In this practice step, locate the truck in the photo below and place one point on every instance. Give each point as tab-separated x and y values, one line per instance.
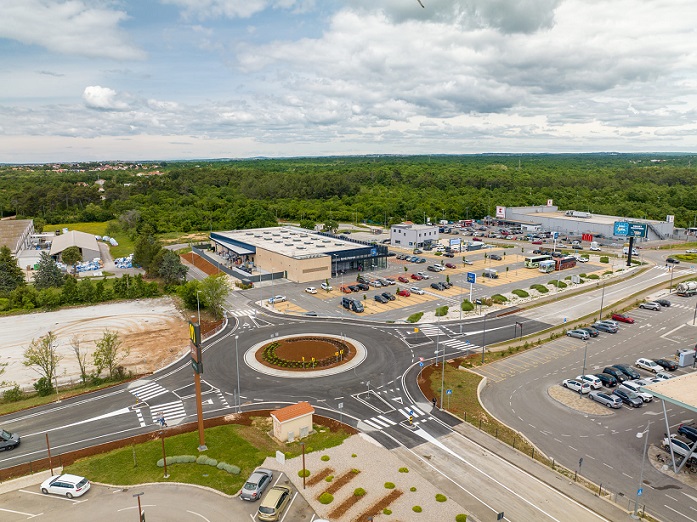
578	214
686	289
595	247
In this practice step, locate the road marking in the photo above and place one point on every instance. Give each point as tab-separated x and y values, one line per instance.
29	515
678	512
148	391
608	465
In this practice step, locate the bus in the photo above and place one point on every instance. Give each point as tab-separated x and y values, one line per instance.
565	262
547	266
534	261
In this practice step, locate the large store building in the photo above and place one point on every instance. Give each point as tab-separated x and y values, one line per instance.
296	254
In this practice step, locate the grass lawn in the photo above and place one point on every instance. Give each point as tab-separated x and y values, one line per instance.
243	446
99	229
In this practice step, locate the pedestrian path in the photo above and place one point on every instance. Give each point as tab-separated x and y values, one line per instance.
171	411
430	330
148	391
457	344
243	312
380	422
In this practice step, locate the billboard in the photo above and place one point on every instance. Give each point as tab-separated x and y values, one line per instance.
620	228
501	212
455	242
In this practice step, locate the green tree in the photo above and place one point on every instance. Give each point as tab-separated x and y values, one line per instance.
145	250
41	356
80	355
170	267
214	291
47	275
307	224
187	293
109	353
71	256
69	294
11	275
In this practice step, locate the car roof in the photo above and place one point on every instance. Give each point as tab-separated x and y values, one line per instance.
67	477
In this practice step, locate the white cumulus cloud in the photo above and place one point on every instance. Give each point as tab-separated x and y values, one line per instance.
103	98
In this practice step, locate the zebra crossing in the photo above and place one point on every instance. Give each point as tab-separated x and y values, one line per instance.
171	411
244	312
457	344
148	391
430	330
380	422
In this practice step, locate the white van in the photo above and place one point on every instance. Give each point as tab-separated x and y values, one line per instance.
491	273
595	247
625	251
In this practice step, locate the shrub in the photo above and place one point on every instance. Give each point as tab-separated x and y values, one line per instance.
230	468
540	288
43	387
417	509
404	470
389	485
304	473
441	498
353	455
386	511
441	311
325	498
461	518
356	471
520	293
593	276
467	306
604	259
14	394
329	478
607	272
498	298
358	492
414	318
412	489
324	458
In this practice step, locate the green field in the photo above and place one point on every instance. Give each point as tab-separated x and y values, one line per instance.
242	446
99	229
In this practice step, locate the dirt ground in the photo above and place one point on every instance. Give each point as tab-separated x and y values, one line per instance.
154	330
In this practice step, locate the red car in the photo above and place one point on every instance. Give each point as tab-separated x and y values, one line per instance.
477	239
536	242
404	292
402	279
416	277
622	318
450	265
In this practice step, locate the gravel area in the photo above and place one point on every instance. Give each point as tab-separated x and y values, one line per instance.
377	466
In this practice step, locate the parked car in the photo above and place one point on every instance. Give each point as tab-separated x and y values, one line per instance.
594	382
622	318
256	484
439	267
402	279
689	432
421	260
416	277
617	374
608	380
449	254
663	302
450	265
604	327
495	257
276	500
579	334
380	298
277	299
363	286
609	400
354	288
66	485
651	305
680	447
576	385
388	296
663	376
672	261
438	286
418	251
634	387
628	371
432	268
8	441
613	323
416	290
390	280
311	290
404	292
325	287
591	331
424	275
629	397
648	365
667	364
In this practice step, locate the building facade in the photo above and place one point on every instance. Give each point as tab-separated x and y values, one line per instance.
410	235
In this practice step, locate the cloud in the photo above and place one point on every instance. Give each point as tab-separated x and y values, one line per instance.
208	9
103	98
68	27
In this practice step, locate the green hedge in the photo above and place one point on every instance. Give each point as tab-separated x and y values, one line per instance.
467	306
540	288
441	311
520	293
414	318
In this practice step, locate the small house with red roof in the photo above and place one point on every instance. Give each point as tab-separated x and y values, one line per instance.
292	422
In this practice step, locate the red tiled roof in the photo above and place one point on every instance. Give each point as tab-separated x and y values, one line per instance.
293	411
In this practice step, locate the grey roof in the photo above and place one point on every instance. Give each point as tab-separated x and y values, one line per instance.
11	232
81	240
678	390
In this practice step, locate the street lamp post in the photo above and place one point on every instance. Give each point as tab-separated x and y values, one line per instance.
483	337
198	307
639	490
671	280
237	366
585	352
442	378
602	299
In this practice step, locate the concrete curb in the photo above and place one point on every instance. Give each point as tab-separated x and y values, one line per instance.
27	481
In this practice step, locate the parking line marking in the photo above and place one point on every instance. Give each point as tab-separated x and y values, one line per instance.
30	515
608	465
74	501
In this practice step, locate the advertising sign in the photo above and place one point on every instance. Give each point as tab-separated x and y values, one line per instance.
620	228
501	212
637	229
471	277
455	242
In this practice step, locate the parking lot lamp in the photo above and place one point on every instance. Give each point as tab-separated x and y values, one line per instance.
639	490
585	352
237	366
602	299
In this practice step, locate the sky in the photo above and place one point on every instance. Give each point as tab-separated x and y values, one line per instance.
99	80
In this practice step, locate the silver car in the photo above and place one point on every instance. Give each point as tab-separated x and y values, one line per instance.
256	484
611	401
650	306
579	334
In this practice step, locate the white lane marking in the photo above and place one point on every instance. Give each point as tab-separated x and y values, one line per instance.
198	515
28	515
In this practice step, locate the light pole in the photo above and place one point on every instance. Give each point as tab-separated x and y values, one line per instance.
442	379
198	307
483	335
602	299
585	352
237	366
671	280
639	490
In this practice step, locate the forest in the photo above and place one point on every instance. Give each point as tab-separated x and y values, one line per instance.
235	194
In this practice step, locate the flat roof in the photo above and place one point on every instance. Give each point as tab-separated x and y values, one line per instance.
290	241
678	390
600	219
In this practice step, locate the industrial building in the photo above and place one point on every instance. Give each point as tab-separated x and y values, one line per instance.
86	243
294	253
16	234
410	235
576	223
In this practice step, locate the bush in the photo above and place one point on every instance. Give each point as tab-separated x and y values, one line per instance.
324	458
461	518
412	489
230	468
386	511
389	485
404	470
498	299
353	455
520	293
467	306
604	259
329	478
414	318
417	509
325	498
304	473
206	461
43	387
540	288
441	311
358	492
441	498
14	394
593	276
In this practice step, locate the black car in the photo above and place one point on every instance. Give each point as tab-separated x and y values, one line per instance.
663	302
628	371
628	397
591	331
617	374
354	288
689	432
363	286
388	296
449	254
672	260
667	364
381	299
437	286
608	380
431	268
495	257
8	441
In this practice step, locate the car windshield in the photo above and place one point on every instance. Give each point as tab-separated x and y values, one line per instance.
5	435
266	510
250	486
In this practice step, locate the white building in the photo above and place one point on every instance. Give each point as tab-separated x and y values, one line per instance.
409	235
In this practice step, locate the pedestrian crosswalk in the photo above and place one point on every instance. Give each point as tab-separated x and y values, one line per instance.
457	344
244	312
430	330
148	391
380	422
171	411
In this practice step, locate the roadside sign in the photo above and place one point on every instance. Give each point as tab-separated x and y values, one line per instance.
620	228
640	492
421	364
471	277
449	392
637	229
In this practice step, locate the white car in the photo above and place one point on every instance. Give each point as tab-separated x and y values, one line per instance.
594	382
423	274
576	386
691	251
326	287
416	290
663	376
66	485
439	267
651	305
648	365
633	386
277	299
581	259
311	290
